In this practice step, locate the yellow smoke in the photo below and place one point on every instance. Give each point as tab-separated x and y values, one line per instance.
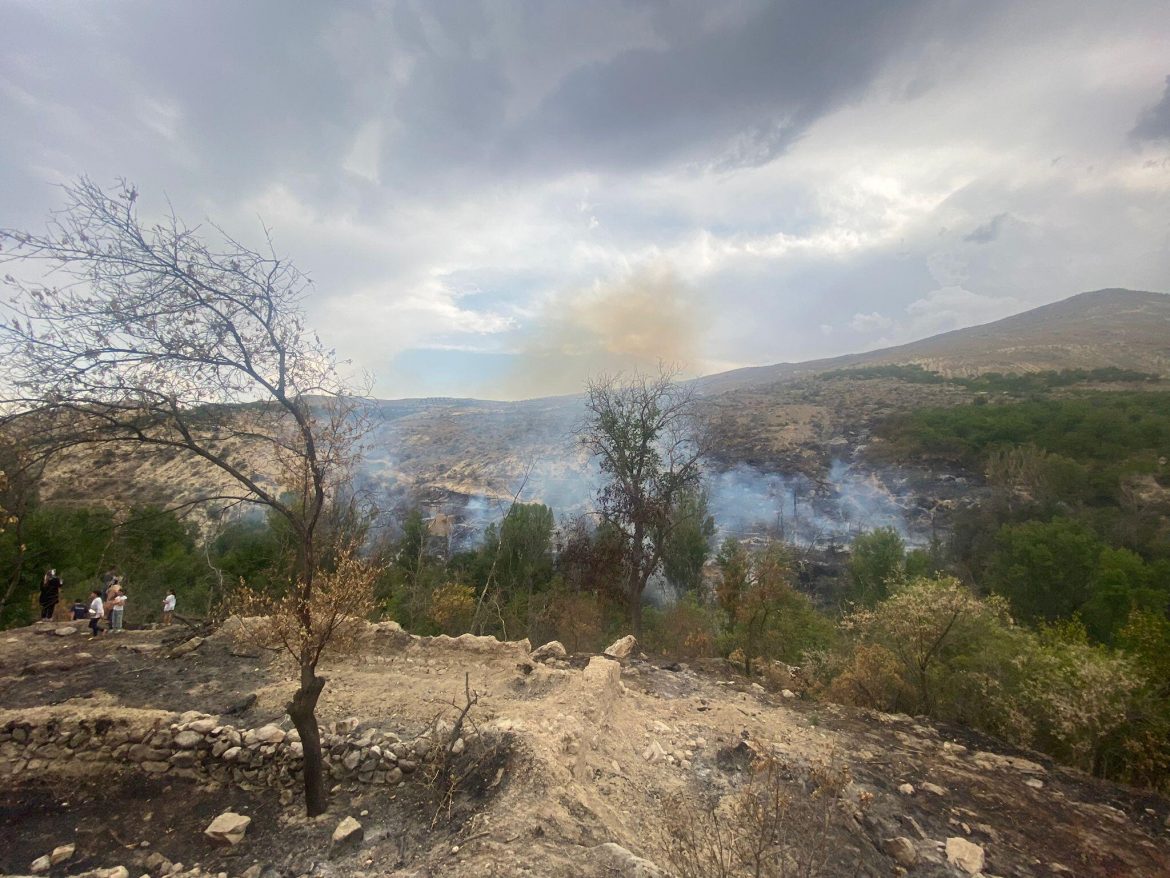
632	323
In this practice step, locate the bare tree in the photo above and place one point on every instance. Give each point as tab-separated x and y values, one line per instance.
145	335
644	433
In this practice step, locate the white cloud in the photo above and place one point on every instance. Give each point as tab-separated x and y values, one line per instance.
873	322
950	308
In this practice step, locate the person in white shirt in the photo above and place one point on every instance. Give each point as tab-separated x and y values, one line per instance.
96	611
168	607
118	608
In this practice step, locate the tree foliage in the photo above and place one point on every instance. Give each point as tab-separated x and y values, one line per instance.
643	433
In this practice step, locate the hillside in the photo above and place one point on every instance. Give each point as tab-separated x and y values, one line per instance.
790	419
127	747
1125	329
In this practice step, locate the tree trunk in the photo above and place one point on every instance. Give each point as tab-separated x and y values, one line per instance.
636	616
637	582
303	711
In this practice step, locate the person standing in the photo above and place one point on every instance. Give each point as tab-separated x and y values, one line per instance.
50	594
168	612
96	612
117	609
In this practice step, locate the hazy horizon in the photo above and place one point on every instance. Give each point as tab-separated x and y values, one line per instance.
497	200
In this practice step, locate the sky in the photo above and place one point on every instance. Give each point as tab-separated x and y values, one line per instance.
501	199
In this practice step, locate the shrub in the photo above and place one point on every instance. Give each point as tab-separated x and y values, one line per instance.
686	630
784	822
452	607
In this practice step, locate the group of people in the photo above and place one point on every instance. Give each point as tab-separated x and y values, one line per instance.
106	604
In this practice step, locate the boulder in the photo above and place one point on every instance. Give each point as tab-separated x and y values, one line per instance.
348	831
228	828
65	631
554	649
622	648
967	855
40	865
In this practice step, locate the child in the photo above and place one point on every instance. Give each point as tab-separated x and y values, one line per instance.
96	612
79	610
169	607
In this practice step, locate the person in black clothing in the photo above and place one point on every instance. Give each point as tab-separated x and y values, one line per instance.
50	594
79	610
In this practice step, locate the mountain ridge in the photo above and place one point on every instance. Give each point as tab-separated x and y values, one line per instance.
1068	312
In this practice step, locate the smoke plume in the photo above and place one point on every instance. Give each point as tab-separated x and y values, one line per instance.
630	324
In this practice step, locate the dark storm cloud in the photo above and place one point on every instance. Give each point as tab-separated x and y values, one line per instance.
452	94
1154	122
739	95
452	171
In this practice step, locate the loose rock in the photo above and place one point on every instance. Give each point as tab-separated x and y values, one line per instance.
228	828
902	850
554	649
967	855
62	853
348	831
622	648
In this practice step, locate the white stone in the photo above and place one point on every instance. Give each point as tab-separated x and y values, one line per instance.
40	865
964	854
654	753
62	853
228	828
65	631
934	789
622	648
269	734
554	649
348	830
906	789
787	693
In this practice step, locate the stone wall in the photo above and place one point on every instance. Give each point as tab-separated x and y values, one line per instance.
198	746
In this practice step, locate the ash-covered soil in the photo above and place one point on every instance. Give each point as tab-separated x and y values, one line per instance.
604	761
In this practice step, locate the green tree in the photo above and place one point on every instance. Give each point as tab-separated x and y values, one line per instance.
767	618
876	560
1044	568
688	543
643	434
